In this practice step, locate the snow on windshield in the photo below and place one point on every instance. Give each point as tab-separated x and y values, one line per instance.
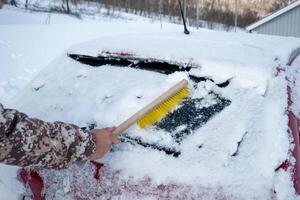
238	147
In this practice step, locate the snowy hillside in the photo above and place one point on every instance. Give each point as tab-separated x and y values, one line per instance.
231	155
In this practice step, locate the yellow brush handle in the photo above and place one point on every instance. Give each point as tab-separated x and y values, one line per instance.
158	101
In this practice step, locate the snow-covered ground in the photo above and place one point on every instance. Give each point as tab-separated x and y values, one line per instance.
234	154
29	41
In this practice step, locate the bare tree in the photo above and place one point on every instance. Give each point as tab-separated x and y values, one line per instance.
235	15
68	7
215	11
26	4
1	3
184	8
13	3
66	3
279	4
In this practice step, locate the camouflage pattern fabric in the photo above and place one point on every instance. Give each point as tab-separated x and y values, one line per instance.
26	141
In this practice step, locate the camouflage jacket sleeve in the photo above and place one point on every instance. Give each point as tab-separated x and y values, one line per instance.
26	141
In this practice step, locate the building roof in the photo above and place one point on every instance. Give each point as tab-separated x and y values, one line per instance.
273	15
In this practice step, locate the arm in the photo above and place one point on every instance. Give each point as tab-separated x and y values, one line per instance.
25	141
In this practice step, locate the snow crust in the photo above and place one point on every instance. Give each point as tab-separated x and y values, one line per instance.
240	147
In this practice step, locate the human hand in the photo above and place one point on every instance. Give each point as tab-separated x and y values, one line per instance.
104	140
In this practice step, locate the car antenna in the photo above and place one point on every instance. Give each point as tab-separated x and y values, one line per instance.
186	31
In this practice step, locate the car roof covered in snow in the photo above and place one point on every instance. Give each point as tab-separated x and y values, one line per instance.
218	55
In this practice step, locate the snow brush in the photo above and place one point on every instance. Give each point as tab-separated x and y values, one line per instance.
158	108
